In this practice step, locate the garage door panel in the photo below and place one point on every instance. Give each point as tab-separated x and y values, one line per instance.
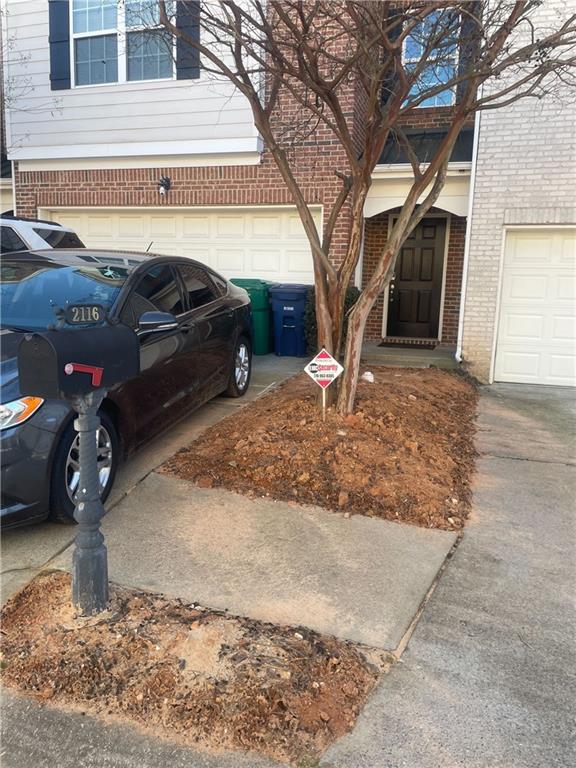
515	364
524	326
266	226
565	288
243	242
536	340
99	226
231	226
562	367
131	226
230	261
520	286
564	328
266	262
196	226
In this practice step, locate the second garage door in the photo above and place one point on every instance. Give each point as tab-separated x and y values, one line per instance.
536	341
266	242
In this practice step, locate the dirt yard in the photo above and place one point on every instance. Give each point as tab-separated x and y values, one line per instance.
189	673
406	454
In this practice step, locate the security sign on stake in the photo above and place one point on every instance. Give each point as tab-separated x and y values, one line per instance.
323	369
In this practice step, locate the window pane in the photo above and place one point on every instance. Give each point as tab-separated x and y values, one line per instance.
11	242
198	285
146	13
436	37
94	15
56	238
96	60
29	291
157	291
149	55
430	78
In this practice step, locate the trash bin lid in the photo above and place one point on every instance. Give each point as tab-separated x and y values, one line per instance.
257	290
288	292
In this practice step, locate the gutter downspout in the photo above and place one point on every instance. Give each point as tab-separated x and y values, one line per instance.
14	190
468	237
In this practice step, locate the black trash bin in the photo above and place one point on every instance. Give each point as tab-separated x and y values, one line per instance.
288	306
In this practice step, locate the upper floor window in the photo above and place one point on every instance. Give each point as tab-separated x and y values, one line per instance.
431	53
95	42
120	42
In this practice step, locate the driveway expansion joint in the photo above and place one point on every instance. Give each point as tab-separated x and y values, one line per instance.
525	458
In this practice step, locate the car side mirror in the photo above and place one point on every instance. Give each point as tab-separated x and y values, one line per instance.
156	322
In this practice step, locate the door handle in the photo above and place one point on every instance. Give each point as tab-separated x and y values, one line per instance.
185	327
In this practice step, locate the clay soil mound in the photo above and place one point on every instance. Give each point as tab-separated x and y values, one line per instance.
189	673
406	454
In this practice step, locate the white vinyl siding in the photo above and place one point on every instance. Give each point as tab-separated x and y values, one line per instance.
536	341
158	116
267	242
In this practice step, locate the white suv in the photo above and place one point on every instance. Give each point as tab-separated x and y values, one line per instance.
19	234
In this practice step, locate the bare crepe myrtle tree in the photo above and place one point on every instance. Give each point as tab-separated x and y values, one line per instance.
395	57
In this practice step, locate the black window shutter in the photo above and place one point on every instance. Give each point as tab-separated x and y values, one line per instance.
59	39
187	57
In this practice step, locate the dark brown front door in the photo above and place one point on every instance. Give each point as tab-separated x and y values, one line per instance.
416	288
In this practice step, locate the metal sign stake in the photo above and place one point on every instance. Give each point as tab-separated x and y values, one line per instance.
90	559
323	404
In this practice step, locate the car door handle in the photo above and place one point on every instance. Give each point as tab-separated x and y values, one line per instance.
185	327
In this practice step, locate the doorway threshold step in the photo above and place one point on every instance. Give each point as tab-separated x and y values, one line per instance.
410	357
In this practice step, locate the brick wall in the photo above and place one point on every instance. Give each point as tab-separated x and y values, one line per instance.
375	234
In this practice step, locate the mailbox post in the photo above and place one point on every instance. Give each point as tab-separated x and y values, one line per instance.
79	364
90	559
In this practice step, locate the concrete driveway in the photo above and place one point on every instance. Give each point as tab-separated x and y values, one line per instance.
27	550
489	677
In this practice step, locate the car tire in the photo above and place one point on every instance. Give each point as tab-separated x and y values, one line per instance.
64	473
241	368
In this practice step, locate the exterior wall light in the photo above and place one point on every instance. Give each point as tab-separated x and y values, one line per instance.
164	185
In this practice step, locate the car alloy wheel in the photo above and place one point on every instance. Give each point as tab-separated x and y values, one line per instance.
242	366
104	455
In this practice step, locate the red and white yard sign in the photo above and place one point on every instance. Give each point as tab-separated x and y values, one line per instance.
323	369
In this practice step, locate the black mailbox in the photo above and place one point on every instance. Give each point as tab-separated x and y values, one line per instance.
71	363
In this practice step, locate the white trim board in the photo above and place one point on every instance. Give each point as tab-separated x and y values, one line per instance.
149	161
174	208
160	149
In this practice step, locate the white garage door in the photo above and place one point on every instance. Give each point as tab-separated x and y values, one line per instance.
536	341
265	242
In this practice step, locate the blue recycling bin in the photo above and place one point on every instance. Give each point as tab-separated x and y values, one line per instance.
288	306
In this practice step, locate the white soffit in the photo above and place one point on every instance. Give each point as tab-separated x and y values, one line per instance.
391	184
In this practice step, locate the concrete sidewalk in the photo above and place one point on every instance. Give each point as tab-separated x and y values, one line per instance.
489	677
360	578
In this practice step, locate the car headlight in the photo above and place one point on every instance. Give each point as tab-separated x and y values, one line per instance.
18	411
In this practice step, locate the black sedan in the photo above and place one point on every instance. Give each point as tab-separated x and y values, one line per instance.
195	343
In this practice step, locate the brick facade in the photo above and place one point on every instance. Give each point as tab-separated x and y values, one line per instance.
315	162
375	234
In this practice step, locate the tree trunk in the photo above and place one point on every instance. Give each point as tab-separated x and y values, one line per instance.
355	335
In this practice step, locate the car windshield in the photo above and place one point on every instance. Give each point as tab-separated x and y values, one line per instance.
30	291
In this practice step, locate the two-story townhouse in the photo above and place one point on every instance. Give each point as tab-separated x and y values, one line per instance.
107	128
103	126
